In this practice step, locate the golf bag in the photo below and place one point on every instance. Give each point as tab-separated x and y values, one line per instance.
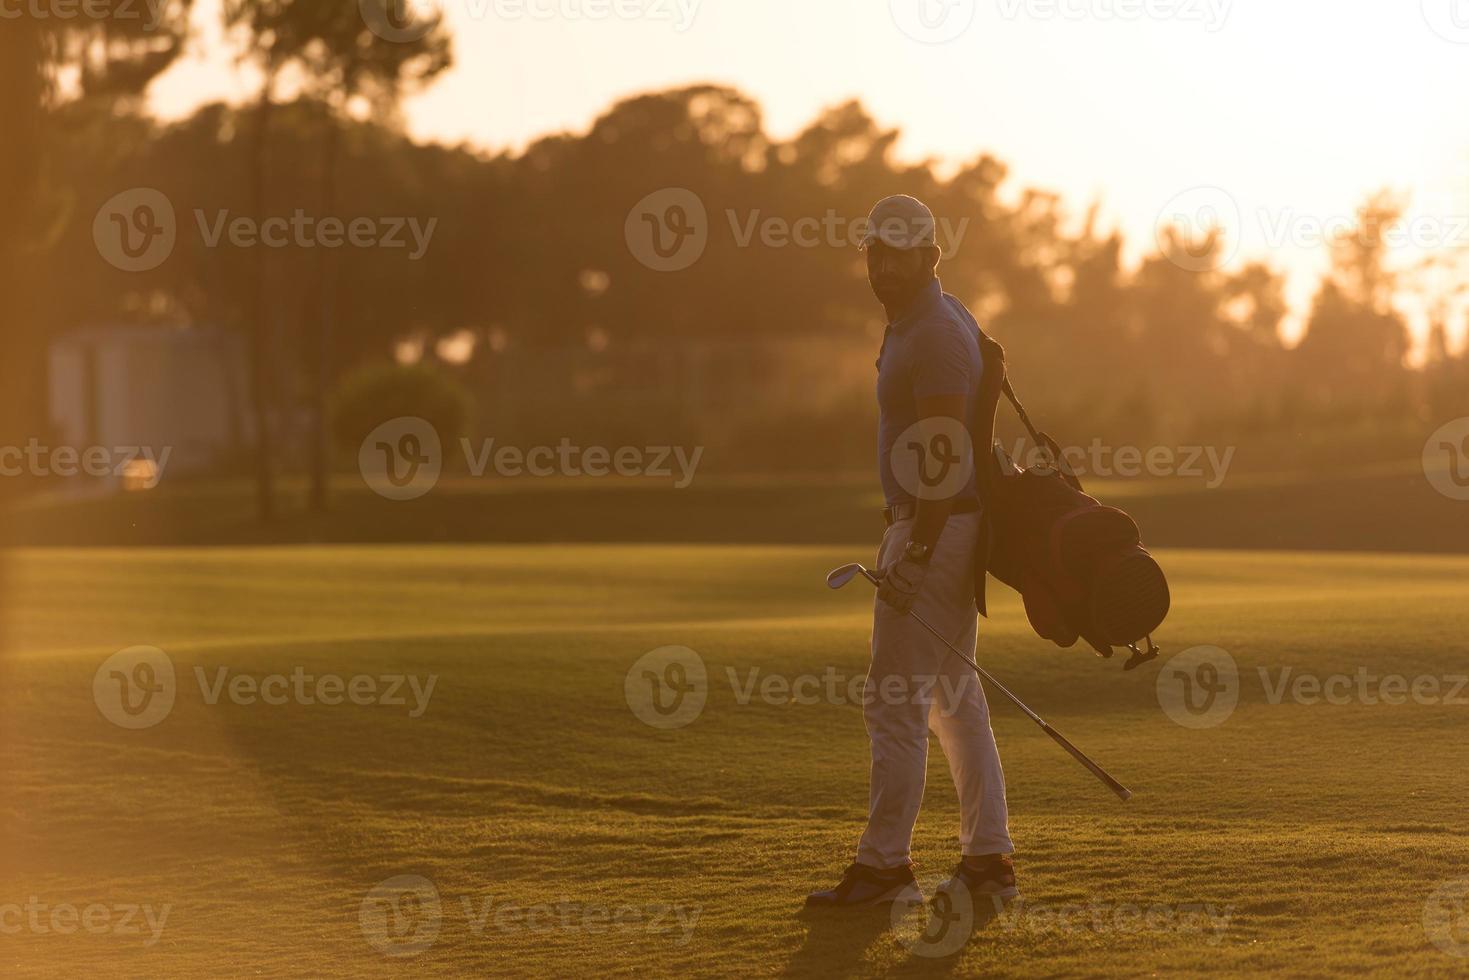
1079	565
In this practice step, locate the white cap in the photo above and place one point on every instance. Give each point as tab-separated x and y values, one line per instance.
901	222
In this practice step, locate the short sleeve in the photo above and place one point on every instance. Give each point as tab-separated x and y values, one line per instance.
941	361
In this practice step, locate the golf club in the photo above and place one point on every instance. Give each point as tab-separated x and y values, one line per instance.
841	576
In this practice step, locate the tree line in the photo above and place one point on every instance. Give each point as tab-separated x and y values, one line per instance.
532	251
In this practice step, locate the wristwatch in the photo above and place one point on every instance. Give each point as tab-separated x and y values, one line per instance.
920	553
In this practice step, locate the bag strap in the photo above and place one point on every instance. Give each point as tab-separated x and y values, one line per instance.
1024	418
1042	441
982	437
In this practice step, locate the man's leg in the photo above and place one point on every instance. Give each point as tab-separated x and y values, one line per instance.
961	718
897	724
960	715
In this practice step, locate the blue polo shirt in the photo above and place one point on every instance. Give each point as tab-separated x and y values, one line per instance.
932	349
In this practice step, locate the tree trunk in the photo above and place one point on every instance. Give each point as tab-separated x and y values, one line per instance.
23	369
326	311
261	386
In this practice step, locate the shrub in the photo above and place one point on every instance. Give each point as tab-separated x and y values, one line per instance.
372	395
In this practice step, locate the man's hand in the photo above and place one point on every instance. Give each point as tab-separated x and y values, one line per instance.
900	582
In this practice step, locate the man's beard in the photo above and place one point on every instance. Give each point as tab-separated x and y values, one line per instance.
895	294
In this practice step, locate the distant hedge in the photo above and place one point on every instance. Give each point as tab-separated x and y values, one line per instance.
374	394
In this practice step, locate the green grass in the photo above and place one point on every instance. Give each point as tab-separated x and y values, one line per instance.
1321	830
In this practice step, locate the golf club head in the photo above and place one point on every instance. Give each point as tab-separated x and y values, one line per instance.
841	576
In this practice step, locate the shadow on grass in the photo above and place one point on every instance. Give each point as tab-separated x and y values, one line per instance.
938	934
935	936
836	940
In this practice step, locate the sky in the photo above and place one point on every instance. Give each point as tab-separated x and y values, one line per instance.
1278	116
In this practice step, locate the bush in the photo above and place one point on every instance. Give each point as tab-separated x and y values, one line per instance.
370	396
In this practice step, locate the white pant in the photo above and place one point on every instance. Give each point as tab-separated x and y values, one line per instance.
916	683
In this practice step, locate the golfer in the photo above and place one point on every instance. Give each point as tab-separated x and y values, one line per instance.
927	382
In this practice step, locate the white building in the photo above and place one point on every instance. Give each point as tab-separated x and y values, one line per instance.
179	389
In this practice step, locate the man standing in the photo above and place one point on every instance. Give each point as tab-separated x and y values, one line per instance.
928	381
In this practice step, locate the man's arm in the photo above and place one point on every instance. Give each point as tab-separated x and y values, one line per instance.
942	426
934	514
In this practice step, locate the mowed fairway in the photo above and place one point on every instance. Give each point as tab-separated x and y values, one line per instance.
1319	832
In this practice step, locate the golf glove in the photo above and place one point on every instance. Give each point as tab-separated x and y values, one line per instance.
900	583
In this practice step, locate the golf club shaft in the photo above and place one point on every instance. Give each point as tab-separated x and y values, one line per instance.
1122	791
